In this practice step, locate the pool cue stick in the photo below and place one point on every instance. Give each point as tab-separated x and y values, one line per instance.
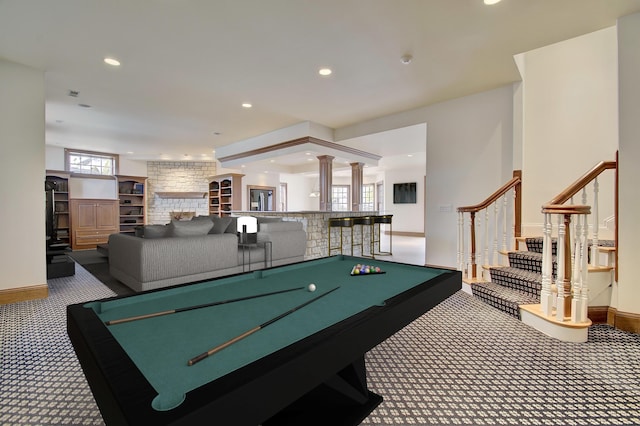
253	330
190	308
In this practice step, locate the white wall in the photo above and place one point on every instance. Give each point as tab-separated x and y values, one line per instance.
406	217
629	124
22	255
570	122
469	155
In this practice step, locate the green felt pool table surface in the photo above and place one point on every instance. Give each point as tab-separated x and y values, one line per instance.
161	346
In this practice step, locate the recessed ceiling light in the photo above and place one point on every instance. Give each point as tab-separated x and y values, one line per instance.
112	61
246	105
216	133
129	152
272	161
325	71
409	155
490	2
84	105
406	59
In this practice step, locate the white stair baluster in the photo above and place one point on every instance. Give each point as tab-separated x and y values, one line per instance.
486	242
459	260
595	255
496	258
504	225
469	259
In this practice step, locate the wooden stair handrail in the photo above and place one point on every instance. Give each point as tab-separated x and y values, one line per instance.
577	186
565	209
515	182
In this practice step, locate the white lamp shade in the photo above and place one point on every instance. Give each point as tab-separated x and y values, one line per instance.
250	222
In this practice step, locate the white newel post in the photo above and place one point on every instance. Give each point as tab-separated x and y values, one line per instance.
579	302
560	260
546	297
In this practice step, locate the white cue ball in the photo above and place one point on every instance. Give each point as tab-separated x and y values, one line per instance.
312	287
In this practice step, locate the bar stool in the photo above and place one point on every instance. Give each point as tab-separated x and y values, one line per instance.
363	221
379	220
340	222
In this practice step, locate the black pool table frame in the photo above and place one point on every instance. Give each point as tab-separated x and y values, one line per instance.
318	380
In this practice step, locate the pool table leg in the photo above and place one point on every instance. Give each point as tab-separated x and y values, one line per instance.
341	400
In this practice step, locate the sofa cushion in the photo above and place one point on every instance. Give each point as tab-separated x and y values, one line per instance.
155	231
189	228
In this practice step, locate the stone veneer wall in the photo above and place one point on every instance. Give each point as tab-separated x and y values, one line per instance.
177	176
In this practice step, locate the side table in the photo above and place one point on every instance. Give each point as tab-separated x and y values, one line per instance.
246	254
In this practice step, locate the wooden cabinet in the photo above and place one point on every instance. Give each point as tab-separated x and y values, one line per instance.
92	221
132	203
57	207
225	194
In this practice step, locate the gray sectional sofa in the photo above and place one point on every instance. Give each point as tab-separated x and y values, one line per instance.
205	247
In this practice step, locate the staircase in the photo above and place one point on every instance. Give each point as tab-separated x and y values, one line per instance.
520	283
556	284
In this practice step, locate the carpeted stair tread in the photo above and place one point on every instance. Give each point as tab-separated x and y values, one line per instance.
534	244
503	298
517	279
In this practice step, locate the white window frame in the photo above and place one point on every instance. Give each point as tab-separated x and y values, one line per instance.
98	161
338	193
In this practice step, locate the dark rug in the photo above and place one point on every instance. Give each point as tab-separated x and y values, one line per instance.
98	266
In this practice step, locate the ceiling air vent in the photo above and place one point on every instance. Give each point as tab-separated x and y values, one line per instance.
73	93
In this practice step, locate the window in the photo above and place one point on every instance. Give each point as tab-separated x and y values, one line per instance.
340	198
368	200
91	163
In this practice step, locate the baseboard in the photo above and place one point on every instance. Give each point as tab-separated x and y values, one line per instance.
405	234
22	294
598	314
625	321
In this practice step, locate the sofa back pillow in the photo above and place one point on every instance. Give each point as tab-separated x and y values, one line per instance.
154	231
189	228
220	224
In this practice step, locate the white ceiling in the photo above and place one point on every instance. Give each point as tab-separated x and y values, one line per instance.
188	65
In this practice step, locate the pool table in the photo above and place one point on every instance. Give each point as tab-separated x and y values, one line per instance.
307	367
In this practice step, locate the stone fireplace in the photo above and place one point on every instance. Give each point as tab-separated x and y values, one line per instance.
177	188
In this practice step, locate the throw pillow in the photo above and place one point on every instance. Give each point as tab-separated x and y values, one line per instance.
220	224
189	228
231	229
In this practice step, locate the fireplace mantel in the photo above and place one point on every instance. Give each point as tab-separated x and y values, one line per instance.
181	194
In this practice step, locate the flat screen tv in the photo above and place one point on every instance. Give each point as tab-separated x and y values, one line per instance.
404	193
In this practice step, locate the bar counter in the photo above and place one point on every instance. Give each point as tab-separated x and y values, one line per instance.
315	224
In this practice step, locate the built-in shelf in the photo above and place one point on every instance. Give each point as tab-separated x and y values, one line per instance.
181	194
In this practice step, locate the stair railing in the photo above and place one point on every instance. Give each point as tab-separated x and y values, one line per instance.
569	295
468	256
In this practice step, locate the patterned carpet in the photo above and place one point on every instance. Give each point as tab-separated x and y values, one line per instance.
463	363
